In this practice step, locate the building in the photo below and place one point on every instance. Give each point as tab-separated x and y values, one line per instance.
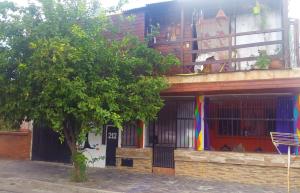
239	80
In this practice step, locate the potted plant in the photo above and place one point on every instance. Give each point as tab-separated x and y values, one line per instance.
263	61
276	62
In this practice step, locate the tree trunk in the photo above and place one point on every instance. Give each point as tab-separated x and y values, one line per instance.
78	159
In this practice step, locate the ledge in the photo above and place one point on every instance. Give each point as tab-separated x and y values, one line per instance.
134	153
21	133
284	85
133	157
250	159
235	76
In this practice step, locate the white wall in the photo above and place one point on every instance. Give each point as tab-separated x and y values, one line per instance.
99	151
250	22
97	155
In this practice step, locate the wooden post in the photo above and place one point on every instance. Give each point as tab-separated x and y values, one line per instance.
235	11
182	34
285	25
288	168
297	42
230	51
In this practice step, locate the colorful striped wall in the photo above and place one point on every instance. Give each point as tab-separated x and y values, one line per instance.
199	125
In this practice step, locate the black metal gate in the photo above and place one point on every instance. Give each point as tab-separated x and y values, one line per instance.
46	146
164	141
163	156
174	128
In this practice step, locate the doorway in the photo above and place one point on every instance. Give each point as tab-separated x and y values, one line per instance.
164	141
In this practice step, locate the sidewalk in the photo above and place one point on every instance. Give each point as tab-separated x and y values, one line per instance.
19	185
42	177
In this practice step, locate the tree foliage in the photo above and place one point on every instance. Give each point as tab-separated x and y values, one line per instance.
58	67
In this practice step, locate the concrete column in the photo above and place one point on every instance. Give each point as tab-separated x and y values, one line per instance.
199	123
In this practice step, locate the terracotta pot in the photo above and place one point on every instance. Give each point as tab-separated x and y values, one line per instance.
276	64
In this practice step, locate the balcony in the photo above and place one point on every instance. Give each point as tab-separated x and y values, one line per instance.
209	40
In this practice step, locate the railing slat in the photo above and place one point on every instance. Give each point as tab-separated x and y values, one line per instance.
203	51
189	67
164	42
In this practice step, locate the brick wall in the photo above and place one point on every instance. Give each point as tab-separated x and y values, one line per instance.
261	169
258	175
142	159
135	27
175	47
139	25
15	145
248	168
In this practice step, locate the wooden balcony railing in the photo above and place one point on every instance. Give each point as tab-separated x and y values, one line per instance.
288	56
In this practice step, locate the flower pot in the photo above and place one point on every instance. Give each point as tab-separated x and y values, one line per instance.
276	64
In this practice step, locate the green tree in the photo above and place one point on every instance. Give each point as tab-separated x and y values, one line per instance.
58	67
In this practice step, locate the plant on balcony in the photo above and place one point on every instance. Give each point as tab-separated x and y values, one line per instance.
263	61
276	62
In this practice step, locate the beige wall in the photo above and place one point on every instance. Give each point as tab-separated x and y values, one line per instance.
248	168
235	76
142	159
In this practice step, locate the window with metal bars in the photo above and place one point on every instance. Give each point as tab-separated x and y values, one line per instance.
249	116
173	127
185	124
129	135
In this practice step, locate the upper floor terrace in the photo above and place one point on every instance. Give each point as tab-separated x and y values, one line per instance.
224	35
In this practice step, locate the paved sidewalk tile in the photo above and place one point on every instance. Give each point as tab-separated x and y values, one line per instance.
42	177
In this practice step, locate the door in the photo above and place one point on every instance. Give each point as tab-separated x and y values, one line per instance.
46	146
112	136
164	141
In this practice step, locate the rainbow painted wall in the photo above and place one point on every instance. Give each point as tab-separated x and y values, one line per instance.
199	129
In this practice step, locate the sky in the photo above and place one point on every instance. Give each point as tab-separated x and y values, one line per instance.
107	3
293	11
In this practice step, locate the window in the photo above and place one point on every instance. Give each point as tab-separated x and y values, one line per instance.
230	123
185	124
129	135
174	125
249	116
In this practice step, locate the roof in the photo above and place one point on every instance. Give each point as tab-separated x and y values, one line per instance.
243	6
141	6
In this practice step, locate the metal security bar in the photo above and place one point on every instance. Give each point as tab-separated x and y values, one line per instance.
254	116
129	135
185	124
174	128
175	125
163	157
